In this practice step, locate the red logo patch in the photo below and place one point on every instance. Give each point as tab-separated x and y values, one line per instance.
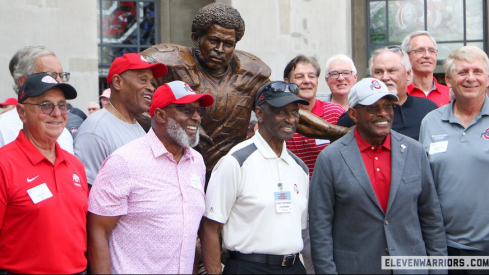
22	94
375	85
486	134
261	97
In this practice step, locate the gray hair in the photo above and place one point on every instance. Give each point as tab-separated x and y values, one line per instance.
23	62
466	53
404	58
406	43
341	57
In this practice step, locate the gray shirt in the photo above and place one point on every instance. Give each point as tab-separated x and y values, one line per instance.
100	135
459	159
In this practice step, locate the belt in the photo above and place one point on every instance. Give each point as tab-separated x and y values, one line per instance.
282	260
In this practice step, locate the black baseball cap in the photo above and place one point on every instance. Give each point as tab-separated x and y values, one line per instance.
279	94
37	84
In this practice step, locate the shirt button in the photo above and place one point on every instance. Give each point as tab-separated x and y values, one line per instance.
373	148
376	158
463	133
387	249
386	222
378	169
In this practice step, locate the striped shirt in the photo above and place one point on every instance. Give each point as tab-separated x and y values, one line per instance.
308	149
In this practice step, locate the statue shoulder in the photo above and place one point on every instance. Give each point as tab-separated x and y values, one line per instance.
169	54
250	62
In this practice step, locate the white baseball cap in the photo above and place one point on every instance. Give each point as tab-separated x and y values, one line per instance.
368	91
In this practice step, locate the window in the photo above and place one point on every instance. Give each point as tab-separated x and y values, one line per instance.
124	27
453	23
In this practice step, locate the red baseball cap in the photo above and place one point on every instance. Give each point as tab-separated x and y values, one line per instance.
177	92
9	101
134	61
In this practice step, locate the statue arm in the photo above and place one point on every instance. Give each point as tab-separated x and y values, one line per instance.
313	126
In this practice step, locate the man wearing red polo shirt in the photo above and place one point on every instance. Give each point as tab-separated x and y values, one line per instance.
422	51
43	188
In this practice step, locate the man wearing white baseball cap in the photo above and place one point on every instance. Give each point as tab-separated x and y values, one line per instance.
147	201
372	193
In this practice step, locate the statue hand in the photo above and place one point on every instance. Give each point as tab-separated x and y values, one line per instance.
313	126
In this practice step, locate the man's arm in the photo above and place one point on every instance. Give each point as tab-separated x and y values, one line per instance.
98	232
313	126
210	232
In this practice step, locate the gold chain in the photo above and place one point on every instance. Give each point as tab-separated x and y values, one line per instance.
124	119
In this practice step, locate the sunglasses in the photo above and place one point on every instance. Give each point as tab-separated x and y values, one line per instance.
48	107
282	86
64	76
395	49
190	110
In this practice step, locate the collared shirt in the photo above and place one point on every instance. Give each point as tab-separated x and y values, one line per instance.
377	160
241	195
10	125
459	158
308	149
43	208
440	94
160	202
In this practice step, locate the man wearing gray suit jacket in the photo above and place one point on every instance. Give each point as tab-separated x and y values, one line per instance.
372	193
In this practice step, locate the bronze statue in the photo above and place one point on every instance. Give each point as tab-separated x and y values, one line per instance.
233	77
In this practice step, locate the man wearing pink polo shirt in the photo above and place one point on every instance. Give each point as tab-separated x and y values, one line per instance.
147	200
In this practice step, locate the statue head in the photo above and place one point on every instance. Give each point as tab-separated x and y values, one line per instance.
216	29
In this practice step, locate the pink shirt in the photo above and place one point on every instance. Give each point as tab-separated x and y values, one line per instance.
161	204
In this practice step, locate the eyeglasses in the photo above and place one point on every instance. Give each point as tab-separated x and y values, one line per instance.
64	76
375	109
421	51
189	110
48	107
282	86
395	49
335	74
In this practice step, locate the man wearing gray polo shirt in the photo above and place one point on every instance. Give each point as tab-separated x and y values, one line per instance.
456	138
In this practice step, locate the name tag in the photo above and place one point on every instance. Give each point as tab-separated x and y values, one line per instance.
438	147
195	181
39	193
283	202
322	141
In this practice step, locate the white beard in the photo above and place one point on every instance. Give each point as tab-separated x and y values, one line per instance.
178	134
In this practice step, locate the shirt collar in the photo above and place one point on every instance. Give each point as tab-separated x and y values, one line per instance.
448	115
267	151
33	154
364	145
159	149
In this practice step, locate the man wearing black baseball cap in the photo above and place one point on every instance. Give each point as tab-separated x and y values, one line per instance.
257	193
43	188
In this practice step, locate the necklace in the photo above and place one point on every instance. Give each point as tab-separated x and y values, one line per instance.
130	126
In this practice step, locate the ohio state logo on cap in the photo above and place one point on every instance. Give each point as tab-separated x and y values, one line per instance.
375	85
188	88
49	79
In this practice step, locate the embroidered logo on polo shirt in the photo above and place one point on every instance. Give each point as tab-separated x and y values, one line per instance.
76	180
486	134
31	179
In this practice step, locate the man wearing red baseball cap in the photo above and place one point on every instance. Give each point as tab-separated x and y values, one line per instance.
148	198
8	104
103	132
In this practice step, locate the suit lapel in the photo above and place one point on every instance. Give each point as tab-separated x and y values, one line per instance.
398	160
353	158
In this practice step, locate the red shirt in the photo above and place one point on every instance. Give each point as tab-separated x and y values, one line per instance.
48	236
440	95
377	160
308	149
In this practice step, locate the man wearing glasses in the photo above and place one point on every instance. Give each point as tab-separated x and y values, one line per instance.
341	75
43	188
372	193
147	201
25	62
391	65
257	194
130	79
422	51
